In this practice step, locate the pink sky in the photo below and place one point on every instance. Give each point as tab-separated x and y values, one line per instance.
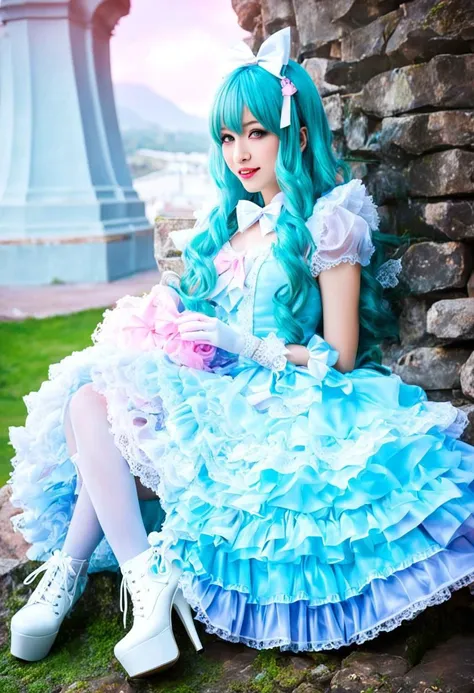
173	46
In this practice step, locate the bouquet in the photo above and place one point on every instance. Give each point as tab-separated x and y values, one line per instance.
148	322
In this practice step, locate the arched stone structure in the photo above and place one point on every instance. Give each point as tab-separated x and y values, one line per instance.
68	210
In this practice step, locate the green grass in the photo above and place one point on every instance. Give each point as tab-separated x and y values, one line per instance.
26	350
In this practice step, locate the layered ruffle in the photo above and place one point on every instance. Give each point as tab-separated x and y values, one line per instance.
381	606
298	501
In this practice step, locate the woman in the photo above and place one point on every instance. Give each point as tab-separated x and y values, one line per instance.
312	499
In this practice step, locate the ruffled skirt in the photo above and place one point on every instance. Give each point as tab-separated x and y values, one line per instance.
308	513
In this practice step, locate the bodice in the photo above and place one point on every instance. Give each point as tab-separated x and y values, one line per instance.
340	226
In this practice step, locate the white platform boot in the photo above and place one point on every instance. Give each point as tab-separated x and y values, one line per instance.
35	626
150	645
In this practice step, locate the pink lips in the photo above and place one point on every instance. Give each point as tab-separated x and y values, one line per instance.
249	172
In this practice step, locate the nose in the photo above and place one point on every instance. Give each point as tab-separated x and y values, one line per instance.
240	152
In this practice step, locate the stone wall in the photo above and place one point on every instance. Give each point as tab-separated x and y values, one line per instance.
397	83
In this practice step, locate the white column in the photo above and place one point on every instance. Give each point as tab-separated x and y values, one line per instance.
68	210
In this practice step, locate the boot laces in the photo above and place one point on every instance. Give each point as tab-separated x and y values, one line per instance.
157	563
55	583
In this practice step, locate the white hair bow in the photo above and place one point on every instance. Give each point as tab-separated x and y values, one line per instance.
273	55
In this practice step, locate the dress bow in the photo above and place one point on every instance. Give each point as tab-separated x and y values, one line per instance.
225	260
249	212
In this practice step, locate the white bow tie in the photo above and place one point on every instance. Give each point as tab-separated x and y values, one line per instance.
248	213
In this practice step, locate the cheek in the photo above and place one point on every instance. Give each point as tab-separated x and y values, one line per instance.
271	148
227	154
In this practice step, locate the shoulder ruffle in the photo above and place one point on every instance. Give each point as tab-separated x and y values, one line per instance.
341	226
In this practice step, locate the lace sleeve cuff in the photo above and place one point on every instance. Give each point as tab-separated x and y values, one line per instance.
269	352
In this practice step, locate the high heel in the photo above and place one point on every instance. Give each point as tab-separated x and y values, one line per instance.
186	616
150	645
35	626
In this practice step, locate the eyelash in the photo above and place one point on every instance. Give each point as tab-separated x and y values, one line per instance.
262	133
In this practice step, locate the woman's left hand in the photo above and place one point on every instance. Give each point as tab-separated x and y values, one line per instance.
197	327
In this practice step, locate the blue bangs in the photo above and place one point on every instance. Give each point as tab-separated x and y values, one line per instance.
247	86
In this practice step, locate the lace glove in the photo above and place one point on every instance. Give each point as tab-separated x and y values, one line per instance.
269	351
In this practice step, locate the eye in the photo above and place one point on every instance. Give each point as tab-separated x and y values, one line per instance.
224	140
258	133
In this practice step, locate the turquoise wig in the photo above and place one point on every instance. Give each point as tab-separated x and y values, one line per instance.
303	177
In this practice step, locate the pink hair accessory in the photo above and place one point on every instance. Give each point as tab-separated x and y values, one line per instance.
287	87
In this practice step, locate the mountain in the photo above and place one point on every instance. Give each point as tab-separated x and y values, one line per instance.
130	120
141	107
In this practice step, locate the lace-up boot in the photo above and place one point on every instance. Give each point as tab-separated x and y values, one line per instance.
152	578
35	626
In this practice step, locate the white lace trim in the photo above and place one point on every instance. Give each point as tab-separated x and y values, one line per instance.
387	273
270	353
251	343
245	308
441	595
140	465
318	265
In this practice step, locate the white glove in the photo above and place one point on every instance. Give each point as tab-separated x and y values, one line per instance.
269	352
201	328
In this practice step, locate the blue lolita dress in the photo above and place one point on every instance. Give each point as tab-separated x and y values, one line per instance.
310	509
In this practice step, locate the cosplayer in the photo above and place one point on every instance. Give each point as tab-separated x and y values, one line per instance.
308	497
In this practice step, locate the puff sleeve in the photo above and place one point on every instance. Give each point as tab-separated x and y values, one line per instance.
341	226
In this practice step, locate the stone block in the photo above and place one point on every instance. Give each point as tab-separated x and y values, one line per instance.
334	111
432	368
421	132
12	545
470	286
247	11
430	27
370	41
439	220
467	377
317	69
447	667
277	14
356	128
412	322
442	173
171	264
387	182
363	671
452	318
446	80
468	434
164	246
318	24
428	266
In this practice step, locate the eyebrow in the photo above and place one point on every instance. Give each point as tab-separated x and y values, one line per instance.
245	125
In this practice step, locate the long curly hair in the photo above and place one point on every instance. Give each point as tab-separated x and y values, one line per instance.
303	177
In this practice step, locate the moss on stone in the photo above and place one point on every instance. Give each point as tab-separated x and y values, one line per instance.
332	662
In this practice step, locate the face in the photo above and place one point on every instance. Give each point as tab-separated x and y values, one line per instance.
251	156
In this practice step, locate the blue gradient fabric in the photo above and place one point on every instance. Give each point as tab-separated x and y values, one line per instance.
310	510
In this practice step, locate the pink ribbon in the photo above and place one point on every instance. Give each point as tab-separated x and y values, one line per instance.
226	260
150	323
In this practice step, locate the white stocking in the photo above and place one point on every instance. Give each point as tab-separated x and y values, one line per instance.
84	532
106	477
